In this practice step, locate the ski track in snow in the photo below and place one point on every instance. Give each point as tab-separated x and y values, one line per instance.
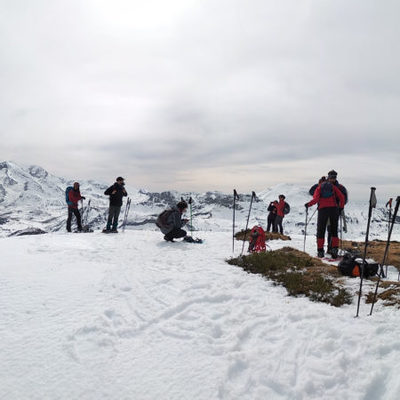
129	316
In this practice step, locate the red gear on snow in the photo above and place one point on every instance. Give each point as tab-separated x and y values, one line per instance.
257	240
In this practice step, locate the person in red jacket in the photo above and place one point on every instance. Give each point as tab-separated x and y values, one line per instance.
74	196
330	202
280	206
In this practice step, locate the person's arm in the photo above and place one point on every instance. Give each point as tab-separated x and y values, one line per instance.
317	195
340	196
109	190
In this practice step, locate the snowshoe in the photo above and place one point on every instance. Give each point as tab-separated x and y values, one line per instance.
190	239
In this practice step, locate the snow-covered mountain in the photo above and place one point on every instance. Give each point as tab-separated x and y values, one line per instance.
33	199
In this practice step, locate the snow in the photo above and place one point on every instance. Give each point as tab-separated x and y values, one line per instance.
129	316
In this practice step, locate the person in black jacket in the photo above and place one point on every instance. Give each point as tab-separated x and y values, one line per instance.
116	193
271	215
171	224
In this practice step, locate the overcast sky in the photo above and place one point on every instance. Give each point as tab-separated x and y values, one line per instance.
200	95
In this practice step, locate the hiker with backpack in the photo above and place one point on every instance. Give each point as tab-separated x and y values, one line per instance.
271	215
330	202
333	175
170	222
72	196
116	192
282	208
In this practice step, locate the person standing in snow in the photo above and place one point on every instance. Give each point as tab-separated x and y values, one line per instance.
271	215
280	214
330	201
74	195
170	222
116	192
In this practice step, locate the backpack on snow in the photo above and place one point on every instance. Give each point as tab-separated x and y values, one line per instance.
351	266
67	190
326	190
257	240
286	208
162	219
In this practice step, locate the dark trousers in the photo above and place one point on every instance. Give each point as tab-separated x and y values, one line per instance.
330	214
77	214
271	222
113	214
176	233
278	224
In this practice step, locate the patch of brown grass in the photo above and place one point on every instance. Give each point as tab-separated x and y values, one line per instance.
299	273
268	235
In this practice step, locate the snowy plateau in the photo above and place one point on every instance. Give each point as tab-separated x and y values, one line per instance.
129	316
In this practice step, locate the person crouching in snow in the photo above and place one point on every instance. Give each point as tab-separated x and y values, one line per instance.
170	222
327	196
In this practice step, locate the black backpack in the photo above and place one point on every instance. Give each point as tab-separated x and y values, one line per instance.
326	189
286	209
162	219
351	266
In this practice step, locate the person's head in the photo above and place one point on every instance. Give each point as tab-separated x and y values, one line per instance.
120	180
182	206
76	186
282	197
322	179
332	175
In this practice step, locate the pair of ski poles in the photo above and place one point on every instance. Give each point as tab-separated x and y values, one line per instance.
236	197
372	204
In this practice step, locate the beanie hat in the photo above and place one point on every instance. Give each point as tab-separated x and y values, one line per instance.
182	205
332	174
120	178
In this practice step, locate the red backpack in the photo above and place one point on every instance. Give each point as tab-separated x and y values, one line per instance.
257	240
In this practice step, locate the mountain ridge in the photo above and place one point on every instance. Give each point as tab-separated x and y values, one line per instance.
33	198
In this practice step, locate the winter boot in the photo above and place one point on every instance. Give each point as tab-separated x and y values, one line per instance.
321	253
334	252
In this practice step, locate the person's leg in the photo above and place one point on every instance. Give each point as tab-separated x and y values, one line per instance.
117	210
269	220
175	234
323	215
334	219
78	218
69	219
278	224
109	220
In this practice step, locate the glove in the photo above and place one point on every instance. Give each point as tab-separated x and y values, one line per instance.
83	197
306	205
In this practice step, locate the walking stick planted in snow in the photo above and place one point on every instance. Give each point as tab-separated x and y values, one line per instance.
389	205
305	230
253	196
381	274
372	204
124	221
191	223
235	197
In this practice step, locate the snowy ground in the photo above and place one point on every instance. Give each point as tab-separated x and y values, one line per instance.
129	316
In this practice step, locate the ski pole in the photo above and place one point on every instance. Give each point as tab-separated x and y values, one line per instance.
312	215
372	204
128	206
253	196
396	209
389	203
235	197
191	223
305	231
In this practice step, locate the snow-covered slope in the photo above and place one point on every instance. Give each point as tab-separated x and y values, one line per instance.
32	198
130	316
